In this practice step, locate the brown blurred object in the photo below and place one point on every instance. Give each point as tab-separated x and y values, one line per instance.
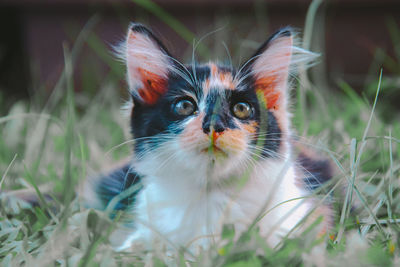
33	32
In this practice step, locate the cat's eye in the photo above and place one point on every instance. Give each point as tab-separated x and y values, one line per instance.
185	107
242	110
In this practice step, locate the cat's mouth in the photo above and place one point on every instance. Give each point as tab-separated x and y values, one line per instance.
213	149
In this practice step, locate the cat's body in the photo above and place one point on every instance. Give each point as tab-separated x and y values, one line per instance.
212	147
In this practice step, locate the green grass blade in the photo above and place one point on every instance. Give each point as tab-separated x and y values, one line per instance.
6	171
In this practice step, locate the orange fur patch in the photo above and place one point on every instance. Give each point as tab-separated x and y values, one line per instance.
232	139
154	86
227	80
223	79
267	86
250	127
214	69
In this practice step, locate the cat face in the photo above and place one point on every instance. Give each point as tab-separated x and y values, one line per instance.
206	117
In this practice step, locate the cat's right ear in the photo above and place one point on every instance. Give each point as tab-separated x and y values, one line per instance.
148	63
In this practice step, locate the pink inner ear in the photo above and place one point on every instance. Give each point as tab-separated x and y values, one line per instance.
147	67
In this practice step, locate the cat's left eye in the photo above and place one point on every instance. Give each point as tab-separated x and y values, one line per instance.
185	107
242	110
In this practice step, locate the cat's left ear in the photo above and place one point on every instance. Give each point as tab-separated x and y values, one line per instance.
148	64
270	66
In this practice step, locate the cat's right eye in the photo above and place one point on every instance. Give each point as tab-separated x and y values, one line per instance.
185	107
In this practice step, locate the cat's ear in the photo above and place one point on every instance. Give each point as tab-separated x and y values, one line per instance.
270	66
148	64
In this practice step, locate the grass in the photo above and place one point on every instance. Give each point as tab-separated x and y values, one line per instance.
50	147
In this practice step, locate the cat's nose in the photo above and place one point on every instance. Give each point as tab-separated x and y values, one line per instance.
217	126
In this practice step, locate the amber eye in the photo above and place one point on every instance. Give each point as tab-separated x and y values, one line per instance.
184	107
242	110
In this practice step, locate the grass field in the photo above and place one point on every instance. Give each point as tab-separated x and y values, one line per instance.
50	146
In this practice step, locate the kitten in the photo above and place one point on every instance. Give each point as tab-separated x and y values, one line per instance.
212	147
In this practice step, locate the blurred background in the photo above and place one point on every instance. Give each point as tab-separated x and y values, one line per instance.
355	37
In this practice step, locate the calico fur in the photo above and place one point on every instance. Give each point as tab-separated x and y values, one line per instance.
212	167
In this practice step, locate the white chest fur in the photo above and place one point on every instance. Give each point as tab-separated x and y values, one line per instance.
174	211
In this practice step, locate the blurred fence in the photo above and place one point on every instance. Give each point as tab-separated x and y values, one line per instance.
347	32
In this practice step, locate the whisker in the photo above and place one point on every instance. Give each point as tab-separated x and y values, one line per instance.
228	54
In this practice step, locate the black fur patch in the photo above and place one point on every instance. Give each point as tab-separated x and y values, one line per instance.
114	183
200	73
317	172
218	113
273	137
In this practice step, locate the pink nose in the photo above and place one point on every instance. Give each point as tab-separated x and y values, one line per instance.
214	135
216	127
